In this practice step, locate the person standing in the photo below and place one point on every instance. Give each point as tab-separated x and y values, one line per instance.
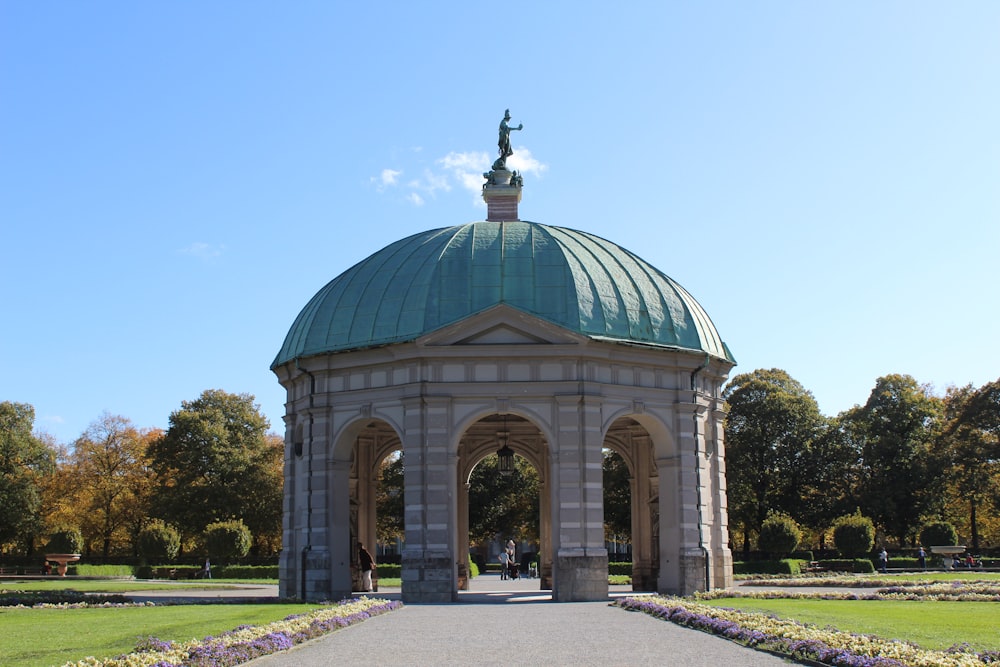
922	557
367	565
504	564
883	560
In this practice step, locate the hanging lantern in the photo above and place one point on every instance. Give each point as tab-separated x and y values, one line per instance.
505	454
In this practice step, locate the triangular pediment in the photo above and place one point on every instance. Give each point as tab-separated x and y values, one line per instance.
502	325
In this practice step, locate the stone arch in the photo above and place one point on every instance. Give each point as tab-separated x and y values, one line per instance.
629	436
356	449
476	441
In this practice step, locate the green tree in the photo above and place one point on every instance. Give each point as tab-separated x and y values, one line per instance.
65	540
215	463
24	461
158	542
938	533
770	429
893	432
389	513
617	498
227	540
853	535
779	535
504	505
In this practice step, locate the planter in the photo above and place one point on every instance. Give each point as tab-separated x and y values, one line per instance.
61	561
947	552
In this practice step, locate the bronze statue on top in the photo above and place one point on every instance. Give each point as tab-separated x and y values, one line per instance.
504	141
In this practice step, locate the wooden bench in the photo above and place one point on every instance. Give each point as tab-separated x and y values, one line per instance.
814	566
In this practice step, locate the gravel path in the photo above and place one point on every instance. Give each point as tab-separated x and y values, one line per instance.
511	627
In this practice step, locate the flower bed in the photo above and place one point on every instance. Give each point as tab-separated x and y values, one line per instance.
802	642
61	598
246	642
953	591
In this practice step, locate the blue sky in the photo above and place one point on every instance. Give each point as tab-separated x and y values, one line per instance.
178	179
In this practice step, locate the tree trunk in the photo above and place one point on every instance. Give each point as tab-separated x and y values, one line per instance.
972	521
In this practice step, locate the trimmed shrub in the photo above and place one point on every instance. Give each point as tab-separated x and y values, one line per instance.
622	568
855	565
938	534
158	541
227	540
802	555
791	566
389	570
245	572
853	535
473	568
65	540
85	570
779	535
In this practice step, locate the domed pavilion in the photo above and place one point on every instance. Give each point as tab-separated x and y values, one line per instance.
454	343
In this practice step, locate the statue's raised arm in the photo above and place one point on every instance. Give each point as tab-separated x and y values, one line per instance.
504	141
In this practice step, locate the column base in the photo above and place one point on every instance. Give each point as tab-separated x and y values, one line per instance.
580	578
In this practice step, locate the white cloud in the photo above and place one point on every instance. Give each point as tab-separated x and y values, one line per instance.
389	176
465	161
459	169
524	163
203	251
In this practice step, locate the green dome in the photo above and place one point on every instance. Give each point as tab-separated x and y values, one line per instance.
429	280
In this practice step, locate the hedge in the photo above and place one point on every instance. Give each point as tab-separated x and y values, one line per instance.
620	568
389	570
855	565
218	572
791	566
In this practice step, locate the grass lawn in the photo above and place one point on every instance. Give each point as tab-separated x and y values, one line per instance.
121	585
46	637
929	624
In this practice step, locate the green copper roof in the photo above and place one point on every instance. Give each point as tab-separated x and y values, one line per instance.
429	280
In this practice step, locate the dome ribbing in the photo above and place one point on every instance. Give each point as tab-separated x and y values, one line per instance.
432	279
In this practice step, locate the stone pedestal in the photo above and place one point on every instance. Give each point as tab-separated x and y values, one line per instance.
428	577
580	578
502	193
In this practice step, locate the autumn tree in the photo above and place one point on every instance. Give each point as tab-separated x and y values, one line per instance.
108	465
216	463
893	432
771	427
969	450
24	461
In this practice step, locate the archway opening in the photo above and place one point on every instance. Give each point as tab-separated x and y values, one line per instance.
617	516
390	523
504	508
501	506
376	496
631	505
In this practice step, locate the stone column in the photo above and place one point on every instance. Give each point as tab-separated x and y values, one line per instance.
288	567
580	567
315	561
642	565
429	481
692	474
462	536
367	487
722	555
